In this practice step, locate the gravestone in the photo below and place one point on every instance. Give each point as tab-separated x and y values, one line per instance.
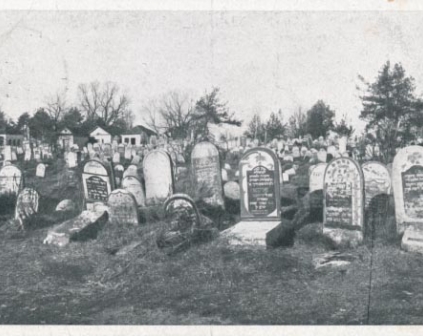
10	179
118	174
72	160
97	182
260	197
107	151
26	205
7	153
205	163
316	183
116	157
181	219
136	159
343	202
121	149
132	170
128	152
134	186
41	170
407	183
158	175
322	155
296	152
123	207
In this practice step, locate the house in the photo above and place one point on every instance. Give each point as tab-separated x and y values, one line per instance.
101	135
138	135
71	136
11	138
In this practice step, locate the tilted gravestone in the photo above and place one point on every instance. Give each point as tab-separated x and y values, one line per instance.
97	182
316	183
260	197
123	208
41	170
343	202
181	219
26	205
205	163
134	186
407	183
158	175
10	179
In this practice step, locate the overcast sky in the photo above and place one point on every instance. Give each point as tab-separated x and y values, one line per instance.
261	61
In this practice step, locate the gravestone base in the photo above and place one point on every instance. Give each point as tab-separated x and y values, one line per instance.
412	240
249	233
340	237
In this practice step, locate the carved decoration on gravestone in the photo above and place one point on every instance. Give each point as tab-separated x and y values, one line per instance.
259	184
206	173
407	183
123	208
26	205
158	175
134	186
10	179
97	182
343	200
181	219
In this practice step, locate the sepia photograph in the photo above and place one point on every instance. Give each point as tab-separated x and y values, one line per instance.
210	165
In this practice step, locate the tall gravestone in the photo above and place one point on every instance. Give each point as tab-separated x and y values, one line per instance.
10	179
97	182
123	207
343	200
377	182
26	205
316	183
260	197
205	163
134	186
158	175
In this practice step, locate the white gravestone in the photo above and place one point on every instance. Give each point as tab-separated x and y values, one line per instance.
134	186
132	170
10	179
41	170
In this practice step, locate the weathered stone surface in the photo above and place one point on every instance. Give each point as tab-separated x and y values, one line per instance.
66	205
10	179
335	260
123	207
84	226
412	240
232	190
342	238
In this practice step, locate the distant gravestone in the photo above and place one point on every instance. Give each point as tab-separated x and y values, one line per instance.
41	170
322	155
158	175
128	152
7	152
72	160
377	182
107	151
118	169
407	183
132	170
136	160
134	186
27	156
316	183
26	204
296	152
123	207
260	197
37	154
205	163
121	149
343	201
116	157
96	181
10	179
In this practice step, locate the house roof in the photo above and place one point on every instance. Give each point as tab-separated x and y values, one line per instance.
140	129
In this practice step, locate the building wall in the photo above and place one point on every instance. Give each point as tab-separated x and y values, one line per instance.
65	141
101	136
11	140
133	139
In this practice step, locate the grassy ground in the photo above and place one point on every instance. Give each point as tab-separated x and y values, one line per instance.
123	278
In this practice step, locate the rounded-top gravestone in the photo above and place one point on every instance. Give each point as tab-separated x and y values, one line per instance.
123	207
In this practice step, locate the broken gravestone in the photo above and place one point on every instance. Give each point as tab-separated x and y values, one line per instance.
343	202
260	198
123	207
84	226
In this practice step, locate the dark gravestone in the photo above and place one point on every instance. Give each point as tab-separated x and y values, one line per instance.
97	182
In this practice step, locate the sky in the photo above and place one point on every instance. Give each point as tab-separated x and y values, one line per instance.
261	61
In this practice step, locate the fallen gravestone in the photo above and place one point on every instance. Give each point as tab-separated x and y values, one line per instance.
10	179
134	186
123	207
158	175
343	202
82	227
66	205
205	163
260	198
97	182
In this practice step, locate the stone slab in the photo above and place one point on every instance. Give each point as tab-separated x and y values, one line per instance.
412	240
250	233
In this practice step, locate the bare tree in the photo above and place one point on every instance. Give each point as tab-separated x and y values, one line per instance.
297	123
172	114
103	101
56	107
